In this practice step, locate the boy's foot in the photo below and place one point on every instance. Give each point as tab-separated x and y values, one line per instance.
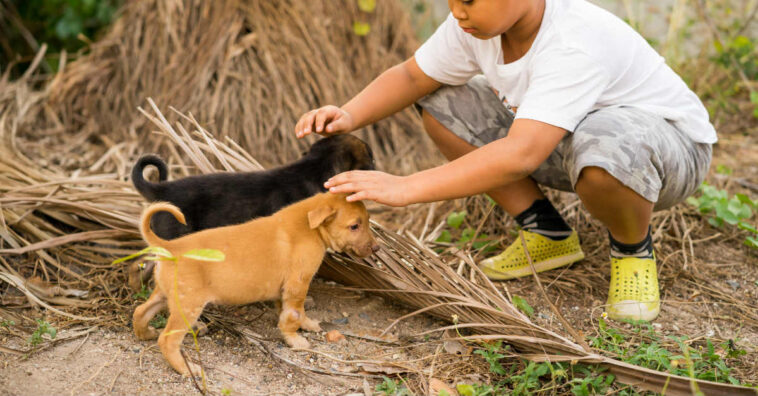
633	293
546	254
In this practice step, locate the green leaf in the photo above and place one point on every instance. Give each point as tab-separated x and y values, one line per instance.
465	389
752	242
367	5
746	200
466	235
445	237
455	219
205	255
693	201
522	305
361	28
158	251
747	227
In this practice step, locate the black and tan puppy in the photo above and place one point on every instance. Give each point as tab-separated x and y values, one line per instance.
220	199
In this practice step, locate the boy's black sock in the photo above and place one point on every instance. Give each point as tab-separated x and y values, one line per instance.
543	219
642	249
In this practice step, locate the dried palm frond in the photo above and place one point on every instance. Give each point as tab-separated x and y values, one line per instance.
405	270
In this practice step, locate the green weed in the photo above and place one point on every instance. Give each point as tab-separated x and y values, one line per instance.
159	321
704	362
391	387
736	210
467	235
43	327
522	305
143	294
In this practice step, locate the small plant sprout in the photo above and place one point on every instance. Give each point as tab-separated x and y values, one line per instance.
43	327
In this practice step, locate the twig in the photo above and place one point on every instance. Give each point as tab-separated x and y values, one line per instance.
192	375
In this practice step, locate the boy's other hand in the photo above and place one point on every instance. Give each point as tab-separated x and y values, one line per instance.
325	120
371	185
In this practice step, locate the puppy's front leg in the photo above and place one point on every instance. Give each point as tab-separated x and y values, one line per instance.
309	324
289	322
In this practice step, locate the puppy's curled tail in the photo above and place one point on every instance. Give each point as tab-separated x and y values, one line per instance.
147	233
145	187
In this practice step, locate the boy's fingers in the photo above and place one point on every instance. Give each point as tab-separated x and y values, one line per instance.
325	115
359	196
303	126
345	177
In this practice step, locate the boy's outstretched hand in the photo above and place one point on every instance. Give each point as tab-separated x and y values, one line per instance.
324	121
372	185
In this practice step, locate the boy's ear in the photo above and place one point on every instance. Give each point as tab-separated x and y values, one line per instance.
318	216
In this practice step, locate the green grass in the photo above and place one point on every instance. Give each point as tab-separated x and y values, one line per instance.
641	345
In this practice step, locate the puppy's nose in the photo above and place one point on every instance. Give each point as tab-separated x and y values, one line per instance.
375	248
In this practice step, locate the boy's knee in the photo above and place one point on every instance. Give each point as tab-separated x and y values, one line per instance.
593	177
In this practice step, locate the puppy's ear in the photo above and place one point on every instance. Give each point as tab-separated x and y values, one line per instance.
318	216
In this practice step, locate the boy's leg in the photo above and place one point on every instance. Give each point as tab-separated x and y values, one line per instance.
624	163
458	119
625	213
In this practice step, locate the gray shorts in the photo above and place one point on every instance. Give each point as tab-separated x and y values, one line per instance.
643	151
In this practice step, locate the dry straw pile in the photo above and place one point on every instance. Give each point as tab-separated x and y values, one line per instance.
245	70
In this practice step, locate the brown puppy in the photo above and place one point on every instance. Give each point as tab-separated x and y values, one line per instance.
269	258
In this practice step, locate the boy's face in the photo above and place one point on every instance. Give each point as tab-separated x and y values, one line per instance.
485	19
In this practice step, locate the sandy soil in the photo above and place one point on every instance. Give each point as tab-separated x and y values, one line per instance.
113	361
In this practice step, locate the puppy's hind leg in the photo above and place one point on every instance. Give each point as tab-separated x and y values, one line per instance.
145	312
171	338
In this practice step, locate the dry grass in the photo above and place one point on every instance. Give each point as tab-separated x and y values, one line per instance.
67	208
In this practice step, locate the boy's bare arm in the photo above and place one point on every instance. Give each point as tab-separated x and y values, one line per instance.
393	90
503	161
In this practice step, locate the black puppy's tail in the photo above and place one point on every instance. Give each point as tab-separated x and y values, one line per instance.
145	187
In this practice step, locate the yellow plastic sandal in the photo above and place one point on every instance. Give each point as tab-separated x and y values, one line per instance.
633	293
545	252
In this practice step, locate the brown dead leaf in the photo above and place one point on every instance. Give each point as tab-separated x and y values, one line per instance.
435	386
334	336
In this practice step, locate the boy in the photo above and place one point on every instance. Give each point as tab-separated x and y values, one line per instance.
571	98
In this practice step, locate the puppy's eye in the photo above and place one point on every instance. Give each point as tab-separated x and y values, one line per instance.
354	227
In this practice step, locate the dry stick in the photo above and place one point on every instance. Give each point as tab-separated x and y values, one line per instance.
113	383
192	375
563	320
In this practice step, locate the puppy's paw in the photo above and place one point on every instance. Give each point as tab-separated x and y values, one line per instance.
200	328
297	342
310	325
148	334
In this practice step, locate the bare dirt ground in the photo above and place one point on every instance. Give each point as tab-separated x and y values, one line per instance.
113	361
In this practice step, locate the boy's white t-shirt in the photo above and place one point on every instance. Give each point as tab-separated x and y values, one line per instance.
583	58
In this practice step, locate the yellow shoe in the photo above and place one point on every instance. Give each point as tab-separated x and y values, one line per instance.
546	254
633	292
